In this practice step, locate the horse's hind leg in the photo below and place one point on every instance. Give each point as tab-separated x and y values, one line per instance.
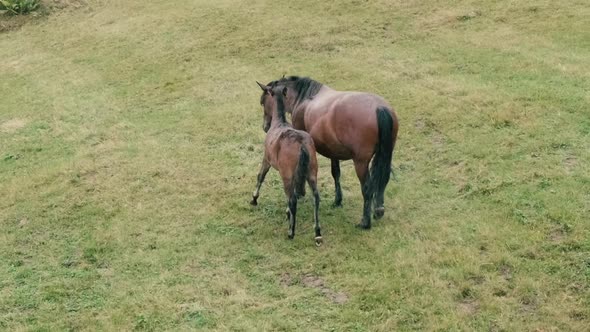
336	176
379	198
260	178
380	185
316	207
362	171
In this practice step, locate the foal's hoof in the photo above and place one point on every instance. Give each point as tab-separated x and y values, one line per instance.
379	212
363	225
290	236
253	202
318	241
337	204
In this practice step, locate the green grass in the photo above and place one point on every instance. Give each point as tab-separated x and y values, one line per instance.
18	7
130	138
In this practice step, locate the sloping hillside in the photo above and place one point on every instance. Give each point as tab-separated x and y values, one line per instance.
130	139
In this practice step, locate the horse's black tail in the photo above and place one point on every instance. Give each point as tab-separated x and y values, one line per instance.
381	165
301	172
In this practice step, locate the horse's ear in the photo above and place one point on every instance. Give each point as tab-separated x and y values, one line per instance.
262	86
285	91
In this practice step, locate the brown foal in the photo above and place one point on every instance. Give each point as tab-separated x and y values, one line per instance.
292	153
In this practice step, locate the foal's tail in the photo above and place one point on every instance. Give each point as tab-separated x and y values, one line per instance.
381	166
301	172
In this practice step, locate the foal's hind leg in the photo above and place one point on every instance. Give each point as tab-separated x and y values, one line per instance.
291	201
336	176
362	171
292	213
260	178
316	207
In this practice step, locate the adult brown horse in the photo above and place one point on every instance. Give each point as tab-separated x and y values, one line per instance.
346	125
292	153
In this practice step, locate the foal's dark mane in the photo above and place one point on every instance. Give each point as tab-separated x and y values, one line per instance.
278	96
292	134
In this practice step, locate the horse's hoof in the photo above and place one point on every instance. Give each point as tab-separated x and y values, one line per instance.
253	202
318	241
379	212
290	236
363	226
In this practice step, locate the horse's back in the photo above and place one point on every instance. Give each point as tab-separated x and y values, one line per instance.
344	125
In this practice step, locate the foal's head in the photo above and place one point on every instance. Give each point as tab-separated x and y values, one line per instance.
272	95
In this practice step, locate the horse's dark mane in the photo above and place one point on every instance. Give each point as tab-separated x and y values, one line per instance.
304	87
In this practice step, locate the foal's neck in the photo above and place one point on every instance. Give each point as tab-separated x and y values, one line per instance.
278	114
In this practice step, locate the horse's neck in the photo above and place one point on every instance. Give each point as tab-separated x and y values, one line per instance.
298	118
298	115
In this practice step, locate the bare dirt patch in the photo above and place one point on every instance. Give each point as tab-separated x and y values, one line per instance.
23	222
427	127
438	140
318	283
444	18
312	281
506	272
556	235
12	125
62	4
570	163
286	280
468	307
8	23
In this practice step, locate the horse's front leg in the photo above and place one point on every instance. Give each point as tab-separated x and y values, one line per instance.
336	176
259	179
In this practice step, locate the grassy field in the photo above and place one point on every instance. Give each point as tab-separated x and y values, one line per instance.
130	138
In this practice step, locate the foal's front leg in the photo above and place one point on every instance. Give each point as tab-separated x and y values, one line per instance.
260	178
